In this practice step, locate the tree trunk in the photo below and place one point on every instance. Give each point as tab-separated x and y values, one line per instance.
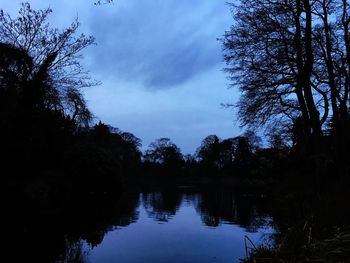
316	127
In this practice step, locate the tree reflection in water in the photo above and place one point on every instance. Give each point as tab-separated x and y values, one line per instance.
57	232
162	205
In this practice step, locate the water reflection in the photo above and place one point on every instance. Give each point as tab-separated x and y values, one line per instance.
162	206
218	207
196	226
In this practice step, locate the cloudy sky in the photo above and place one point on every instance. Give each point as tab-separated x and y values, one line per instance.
159	62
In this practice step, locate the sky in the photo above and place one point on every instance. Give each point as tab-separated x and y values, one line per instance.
160	65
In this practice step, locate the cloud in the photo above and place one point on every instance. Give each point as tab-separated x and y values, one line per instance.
159	43
154	44
186	114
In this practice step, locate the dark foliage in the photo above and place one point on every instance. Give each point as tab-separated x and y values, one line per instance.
290	60
44	120
163	156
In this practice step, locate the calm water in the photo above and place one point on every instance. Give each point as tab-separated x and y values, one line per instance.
180	225
169	225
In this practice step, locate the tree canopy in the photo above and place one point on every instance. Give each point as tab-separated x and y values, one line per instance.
57	52
163	151
290	60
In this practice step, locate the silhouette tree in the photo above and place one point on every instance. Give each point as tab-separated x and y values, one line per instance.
209	152
122	147
279	138
42	107
290	60
53	57
227	152
165	153
27	124
229	155
243	155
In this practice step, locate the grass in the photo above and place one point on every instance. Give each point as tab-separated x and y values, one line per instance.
335	249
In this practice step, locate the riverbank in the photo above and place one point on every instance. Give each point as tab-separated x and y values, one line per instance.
312	222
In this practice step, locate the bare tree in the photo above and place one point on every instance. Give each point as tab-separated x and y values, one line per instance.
31	33
290	59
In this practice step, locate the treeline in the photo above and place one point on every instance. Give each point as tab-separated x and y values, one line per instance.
47	136
46	127
240	157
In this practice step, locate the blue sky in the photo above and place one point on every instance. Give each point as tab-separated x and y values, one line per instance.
160	65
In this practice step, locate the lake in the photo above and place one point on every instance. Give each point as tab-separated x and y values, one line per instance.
181	225
171	224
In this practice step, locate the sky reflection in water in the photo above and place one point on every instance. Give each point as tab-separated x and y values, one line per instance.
174	236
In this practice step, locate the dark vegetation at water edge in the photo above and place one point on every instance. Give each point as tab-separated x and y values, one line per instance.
291	60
